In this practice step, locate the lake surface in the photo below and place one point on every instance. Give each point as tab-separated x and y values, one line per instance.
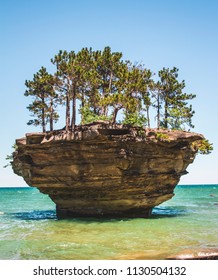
29	228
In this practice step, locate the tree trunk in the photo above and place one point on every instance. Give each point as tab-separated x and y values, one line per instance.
148	117
103	106
73	120
51	114
43	120
110	82
158	111
67	112
115	115
166	115
43	115
68	106
82	106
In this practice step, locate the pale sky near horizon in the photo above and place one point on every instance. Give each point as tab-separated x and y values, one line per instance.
158	33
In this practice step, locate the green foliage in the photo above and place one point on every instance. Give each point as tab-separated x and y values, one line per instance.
89	116
45	99
204	147
180	117
106	85
102	80
162	136
10	157
169	92
134	119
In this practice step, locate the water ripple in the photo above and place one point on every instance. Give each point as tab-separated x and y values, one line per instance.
35	215
167	212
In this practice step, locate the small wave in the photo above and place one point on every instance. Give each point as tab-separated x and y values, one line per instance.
161	212
36	215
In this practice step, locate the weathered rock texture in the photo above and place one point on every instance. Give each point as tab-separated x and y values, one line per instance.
196	254
101	171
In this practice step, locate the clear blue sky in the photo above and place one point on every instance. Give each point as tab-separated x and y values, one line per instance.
182	33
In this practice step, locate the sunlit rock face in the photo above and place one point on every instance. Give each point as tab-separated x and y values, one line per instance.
102	171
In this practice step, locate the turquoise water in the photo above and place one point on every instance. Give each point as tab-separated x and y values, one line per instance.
29	228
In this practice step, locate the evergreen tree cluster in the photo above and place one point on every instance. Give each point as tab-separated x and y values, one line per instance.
100	85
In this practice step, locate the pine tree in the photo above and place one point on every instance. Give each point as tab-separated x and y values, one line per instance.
87	86
175	101
105	85
63	61
136	92
107	66
41	89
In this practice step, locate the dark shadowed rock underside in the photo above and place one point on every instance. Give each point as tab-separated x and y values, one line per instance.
101	171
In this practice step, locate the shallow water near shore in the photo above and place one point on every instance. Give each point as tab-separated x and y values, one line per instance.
29	228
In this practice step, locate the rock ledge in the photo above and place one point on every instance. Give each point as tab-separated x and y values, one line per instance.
104	171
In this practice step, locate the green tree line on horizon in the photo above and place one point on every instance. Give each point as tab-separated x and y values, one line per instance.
100	85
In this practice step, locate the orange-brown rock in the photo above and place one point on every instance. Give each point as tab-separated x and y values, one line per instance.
101	171
196	254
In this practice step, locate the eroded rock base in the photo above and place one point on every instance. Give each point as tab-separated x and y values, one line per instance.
63	213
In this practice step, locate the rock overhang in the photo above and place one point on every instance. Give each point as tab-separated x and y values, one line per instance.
103	171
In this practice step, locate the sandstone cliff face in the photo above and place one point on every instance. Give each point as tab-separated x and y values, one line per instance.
104	172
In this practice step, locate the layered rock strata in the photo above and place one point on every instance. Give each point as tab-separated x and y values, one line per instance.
100	171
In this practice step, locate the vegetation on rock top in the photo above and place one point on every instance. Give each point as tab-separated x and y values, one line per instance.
100	85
